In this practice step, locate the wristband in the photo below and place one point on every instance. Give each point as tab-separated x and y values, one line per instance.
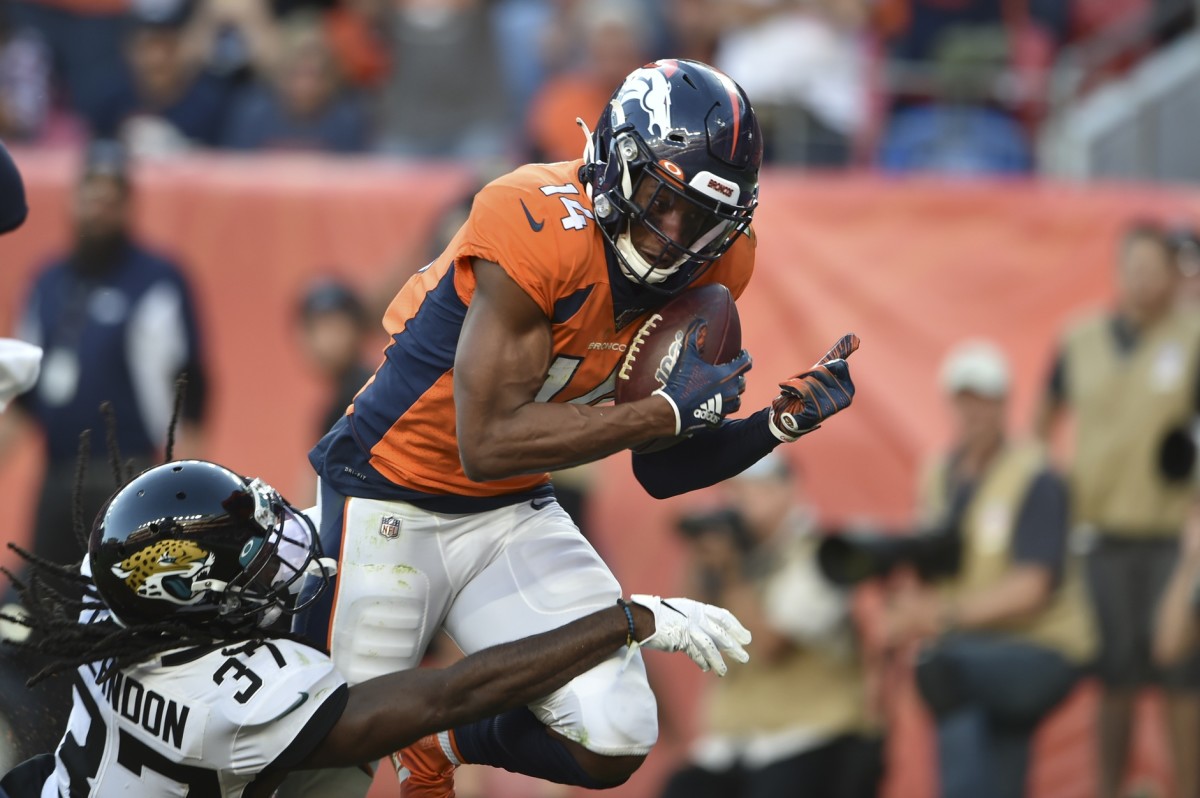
630	635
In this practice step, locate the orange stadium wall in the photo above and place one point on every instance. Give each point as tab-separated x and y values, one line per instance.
911	265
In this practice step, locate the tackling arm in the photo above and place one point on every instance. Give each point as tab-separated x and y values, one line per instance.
500	365
387	713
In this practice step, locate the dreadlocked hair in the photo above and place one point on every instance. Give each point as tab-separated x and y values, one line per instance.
176	409
120	477
55	596
50	598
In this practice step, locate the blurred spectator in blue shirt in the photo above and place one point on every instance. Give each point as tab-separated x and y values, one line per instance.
117	324
84	40
302	107
24	80
955	139
171	102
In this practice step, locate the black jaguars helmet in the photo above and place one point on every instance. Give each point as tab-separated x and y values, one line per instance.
192	541
672	169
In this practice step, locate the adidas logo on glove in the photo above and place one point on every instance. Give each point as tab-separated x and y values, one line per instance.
710	411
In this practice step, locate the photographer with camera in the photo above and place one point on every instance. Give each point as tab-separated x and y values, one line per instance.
795	719
1129	378
1003	637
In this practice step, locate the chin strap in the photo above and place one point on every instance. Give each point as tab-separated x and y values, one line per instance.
637	268
589	147
589	155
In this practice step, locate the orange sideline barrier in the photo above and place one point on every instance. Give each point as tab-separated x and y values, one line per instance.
912	266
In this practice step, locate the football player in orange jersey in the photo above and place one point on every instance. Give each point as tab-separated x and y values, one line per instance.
434	486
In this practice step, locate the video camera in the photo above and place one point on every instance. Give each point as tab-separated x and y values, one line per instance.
850	557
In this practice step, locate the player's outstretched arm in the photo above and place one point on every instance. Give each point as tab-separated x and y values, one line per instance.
811	397
714	455
387	713
503	354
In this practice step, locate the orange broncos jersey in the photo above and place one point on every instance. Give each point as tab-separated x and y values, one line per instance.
536	222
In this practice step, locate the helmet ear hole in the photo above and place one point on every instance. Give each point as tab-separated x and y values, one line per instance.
602	207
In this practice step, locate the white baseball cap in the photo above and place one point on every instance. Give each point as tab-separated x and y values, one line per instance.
19	366
977	366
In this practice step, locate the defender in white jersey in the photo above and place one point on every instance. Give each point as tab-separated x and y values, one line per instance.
197	722
183	690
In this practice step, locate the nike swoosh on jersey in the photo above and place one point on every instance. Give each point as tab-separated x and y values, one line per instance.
300	699
536	225
540	506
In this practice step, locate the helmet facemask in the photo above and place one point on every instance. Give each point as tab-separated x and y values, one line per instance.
669	224
666	223
274	566
196	542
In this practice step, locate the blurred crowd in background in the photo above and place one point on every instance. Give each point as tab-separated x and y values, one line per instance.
1055	575
948	85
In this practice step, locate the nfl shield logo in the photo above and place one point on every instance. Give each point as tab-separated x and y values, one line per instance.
389	527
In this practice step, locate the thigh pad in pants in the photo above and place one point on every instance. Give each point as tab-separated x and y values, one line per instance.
545	575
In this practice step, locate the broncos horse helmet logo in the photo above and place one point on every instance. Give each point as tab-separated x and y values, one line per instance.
652	91
166	570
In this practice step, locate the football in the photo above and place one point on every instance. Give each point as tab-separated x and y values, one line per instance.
652	353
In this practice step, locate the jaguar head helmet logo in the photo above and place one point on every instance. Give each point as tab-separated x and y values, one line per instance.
168	570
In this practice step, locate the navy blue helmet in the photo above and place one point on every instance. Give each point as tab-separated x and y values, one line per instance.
672	168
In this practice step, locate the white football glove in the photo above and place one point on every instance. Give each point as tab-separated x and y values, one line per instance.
702	631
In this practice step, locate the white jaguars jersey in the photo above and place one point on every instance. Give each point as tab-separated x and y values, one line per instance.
196	723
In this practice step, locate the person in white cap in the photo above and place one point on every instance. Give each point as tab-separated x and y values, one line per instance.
1003	639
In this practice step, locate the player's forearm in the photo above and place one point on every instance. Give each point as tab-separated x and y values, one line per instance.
706	458
512	675
389	712
543	436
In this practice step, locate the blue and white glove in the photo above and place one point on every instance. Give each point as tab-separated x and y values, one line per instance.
702	631
700	393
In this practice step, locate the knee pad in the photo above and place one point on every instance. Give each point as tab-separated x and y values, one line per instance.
610	710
